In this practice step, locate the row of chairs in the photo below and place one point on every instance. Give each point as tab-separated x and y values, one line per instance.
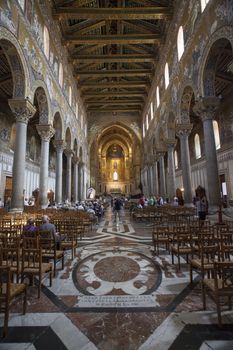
208	250
26	255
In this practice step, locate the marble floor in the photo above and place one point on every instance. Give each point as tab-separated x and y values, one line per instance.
117	295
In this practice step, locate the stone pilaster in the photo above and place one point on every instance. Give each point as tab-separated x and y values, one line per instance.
23	110
46	132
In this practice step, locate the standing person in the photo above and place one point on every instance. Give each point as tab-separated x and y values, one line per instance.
117	208
202	204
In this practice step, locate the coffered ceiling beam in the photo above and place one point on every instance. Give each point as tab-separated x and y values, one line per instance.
89	85
122	39
84	27
113	94
113	13
116	103
114	109
116	73
113	58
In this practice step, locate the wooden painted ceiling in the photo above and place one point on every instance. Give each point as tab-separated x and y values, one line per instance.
113	46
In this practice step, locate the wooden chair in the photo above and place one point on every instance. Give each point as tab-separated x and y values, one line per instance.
181	245
206	251
161	236
220	286
11	257
70	242
226	244
49	249
8	291
32	266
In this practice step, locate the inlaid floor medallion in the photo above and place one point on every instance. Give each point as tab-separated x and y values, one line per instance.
117	273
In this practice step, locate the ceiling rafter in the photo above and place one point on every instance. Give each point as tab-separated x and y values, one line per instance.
113	47
112	39
113	13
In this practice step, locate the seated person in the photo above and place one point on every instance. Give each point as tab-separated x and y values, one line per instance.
48	227
30	227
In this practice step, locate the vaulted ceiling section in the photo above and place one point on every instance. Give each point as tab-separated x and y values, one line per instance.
113	46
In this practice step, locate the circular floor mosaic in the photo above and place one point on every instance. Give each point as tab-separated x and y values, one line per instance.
117	273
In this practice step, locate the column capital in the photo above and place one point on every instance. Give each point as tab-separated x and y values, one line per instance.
46	131
22	109
183	129
75	159
170	143
160	152
60	145
206	107
68	152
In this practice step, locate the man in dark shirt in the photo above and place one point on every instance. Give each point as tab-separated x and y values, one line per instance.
117	208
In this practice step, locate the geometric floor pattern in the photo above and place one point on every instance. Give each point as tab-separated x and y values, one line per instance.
116	294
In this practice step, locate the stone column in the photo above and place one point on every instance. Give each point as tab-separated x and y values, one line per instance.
45	132
183	131
60	146
206	108
171	179
80	181
147	180
162	179
155	174
75	178
151	180
68	153
23	110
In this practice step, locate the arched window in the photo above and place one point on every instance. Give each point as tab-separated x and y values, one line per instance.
22	4
151	111
60	75
216	134
46	42
76	112
166	75
157	97
180	42
143	130
81	121
115	176
29	10
176	160
70	95
203	4
197	146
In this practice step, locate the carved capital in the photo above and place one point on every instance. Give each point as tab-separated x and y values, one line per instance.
46	131
68	152
22	109
183	130
60	145
206	107
75	159
160	152
171	144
